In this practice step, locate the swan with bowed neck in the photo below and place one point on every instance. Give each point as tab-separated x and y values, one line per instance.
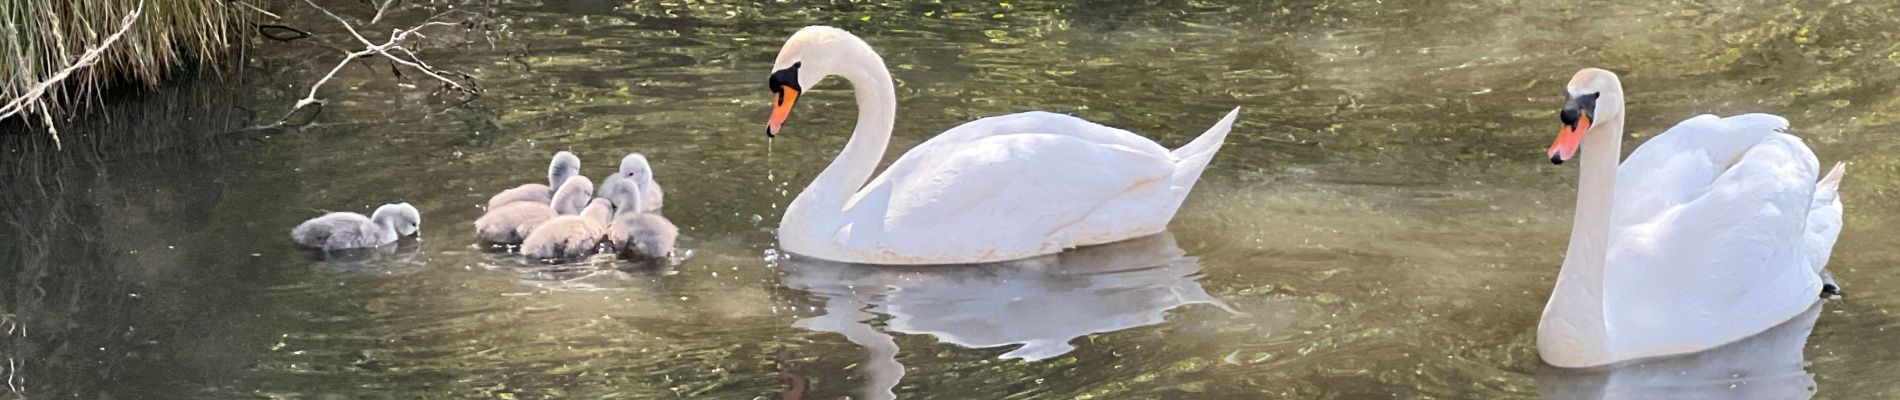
995	189
348	230
1713	231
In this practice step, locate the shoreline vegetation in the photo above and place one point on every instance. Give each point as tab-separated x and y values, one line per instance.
64	62
60	54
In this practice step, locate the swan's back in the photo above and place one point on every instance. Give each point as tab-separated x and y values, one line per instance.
340	230
642	235
511	223
1010	187
1710	220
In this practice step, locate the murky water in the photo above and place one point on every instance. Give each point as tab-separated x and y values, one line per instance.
1381	224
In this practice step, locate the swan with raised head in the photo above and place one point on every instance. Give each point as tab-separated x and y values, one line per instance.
569	237
348	230
511	223
563	165
634	168
635	233
995	189
1711	232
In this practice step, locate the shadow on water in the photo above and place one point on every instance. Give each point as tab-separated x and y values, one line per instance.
86	226
400	258
1041	304
1766	366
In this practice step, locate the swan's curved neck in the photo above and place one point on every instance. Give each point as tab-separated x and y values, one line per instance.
1574	326
1596	190
387	225
877	115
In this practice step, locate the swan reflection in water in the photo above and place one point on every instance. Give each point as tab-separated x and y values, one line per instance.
1040	303
400	258
1768	365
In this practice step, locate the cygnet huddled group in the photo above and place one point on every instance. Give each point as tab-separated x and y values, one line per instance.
564	220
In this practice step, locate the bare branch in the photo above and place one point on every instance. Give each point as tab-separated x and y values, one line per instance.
371	48
32	98
379	11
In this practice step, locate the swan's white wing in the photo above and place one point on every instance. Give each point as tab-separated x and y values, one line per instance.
1037	122
1001	192
1707	242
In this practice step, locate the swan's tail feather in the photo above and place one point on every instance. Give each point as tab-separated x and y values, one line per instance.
1824	220
1193	157
1209	142
1830	187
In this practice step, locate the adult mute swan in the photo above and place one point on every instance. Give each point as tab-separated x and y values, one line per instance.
1711	232
995	189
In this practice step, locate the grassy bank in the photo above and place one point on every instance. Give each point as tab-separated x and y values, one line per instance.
38	38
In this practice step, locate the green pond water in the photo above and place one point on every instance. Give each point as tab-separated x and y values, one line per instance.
1382	223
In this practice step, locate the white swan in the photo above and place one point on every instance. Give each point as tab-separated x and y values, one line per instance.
1711	232
995	189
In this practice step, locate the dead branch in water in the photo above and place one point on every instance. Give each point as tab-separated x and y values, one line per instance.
35	98
394	43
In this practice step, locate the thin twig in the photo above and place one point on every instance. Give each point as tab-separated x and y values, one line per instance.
11	371
379	11
259	10
33	97
371	48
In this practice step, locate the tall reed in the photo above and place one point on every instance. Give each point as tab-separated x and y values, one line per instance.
41	37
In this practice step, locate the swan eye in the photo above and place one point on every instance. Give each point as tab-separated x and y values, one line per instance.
785	78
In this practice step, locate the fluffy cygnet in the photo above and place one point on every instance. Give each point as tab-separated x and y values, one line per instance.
569	237
634	168
564	165
635	234
511	223
348	230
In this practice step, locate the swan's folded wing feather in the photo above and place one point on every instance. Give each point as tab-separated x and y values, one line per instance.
1727	262
1015	184
1824	218
1680	164
1042	122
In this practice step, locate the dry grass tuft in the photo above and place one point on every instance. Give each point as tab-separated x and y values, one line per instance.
38	38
